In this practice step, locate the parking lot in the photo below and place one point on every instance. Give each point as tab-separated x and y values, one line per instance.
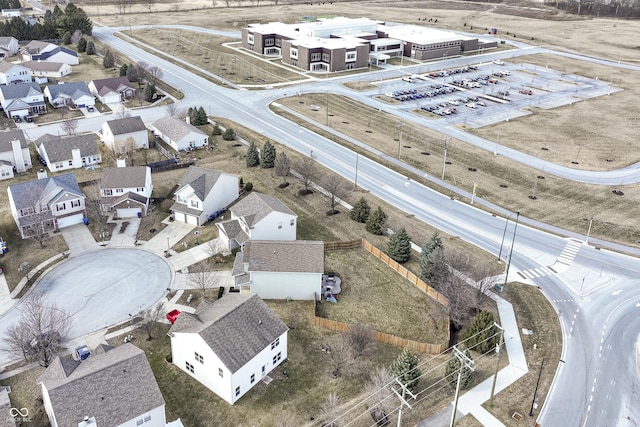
479	95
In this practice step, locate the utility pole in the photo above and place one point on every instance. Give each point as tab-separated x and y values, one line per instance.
400	139
465	362
535	393
403	401
445	145
499	353
513	242
589	231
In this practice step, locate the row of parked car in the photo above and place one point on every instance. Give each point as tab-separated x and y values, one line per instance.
428	92
448	108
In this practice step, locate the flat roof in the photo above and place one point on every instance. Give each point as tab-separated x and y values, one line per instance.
420	35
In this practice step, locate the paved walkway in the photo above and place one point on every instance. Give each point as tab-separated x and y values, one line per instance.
184	259
167	237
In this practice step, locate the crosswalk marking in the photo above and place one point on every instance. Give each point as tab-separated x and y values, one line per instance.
565	258
570	251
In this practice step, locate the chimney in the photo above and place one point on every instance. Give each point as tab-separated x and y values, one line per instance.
42	174
121	163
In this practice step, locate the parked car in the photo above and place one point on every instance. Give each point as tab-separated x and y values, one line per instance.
90	108
82	352
526	92
498	62
172	316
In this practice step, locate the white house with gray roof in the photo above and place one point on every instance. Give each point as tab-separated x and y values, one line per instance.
71	152
14	153
13	73
119	134
201	192
22	99
179	134
113	90
8	46
114	387
74	94
126	190
276	269
260	217
229	345
37	50
42	71
47	204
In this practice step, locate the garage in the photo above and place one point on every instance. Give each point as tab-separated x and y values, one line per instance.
179	216
128	212
192	220
70	220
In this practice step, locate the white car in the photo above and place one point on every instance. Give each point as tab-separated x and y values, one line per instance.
498	62
470	105
453	102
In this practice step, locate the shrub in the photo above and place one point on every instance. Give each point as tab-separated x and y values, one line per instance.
377	222
108	61
82	45
399	248
248	186
253	157
360	211
216	130
229	135
91	48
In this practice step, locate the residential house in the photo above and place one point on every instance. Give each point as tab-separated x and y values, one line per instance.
11	13
13	73
38	50
71	152
179	134
201	192
46	204
22	99
112	91
114	387
123	134
230	344
276	269
126	190
75	94
260	217
14	153
8	47
42	71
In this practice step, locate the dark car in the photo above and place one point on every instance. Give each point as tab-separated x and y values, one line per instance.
90	109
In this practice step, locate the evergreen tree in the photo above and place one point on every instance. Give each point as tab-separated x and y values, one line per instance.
431	258
66	38
399	248
82	45
91	48
216	130
405	367
451	372
108	61
149	92
201	117
132	73
482	335
229	135
360	211
377	222
268	155
283	166
253	157
123	70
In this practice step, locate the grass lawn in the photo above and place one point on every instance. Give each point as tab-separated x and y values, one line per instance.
25	393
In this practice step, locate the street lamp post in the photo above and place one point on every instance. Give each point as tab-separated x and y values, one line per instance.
535	393
589	231
503	234
355	181
513	242
445	145
168	247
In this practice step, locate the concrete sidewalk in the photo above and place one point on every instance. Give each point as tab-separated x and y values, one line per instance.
167	237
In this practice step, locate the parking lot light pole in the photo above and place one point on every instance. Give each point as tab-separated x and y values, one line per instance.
168	247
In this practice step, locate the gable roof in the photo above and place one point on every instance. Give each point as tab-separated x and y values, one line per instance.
6	66
201	180
113	386
175	128
127	177
73	89
46	55
256	206
24	193
116	84
9	135
19	90
44	65
291	256
59	149
236	327
4	41
126	125
36	46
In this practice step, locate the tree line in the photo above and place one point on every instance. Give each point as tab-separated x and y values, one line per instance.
622	9
54	25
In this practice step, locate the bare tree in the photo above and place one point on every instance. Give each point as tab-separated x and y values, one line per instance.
340	356
308	171
93	206
330	410
360	336
381	394
121	113
154	73
38	334
283	167
201	278
141	68
484	282
149	4
453	285
70	125
151	317
335	189
37	221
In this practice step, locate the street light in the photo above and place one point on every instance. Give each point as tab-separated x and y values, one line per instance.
513	242
168	247
355	181
589	231
503	234
535	393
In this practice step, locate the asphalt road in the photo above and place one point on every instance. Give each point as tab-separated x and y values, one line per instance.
596	314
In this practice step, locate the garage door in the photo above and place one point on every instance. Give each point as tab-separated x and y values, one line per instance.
192	219
179	216
70	220
128	212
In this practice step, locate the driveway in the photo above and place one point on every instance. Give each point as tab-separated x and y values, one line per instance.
168	237
79	239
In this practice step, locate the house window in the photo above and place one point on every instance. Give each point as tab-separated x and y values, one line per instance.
119	191
194	204
264	367
316	56
70	162
60	207
189	367
294	53
182	199
221	372
269	42
75	203
143	419
140	189
351	56
5	173
277	358
253	378
279	225
59	165
250	38
293	222
237	391
326	57
107	192
199	358
275	343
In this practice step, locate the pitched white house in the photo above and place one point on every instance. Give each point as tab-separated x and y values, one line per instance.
74	94
112	91
13	73
42	71
201	192
230	344
114	387
179	134
126	190
276	269
38	50
260	217
11	13
118	134
14	153
46	204
22	99
71	152
8	47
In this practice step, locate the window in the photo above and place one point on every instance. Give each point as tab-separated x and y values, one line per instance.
237	391
351	56
221	372
143	419
277	358
108	192
119	191
140	189
279	225
253	378
316	56
269	42
27	211
250	38
59	165
292	222
5	173
275	343
182	199
263	369
194	204
70	162
326	57
75	203
60	207
190	367
199	357
294	53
